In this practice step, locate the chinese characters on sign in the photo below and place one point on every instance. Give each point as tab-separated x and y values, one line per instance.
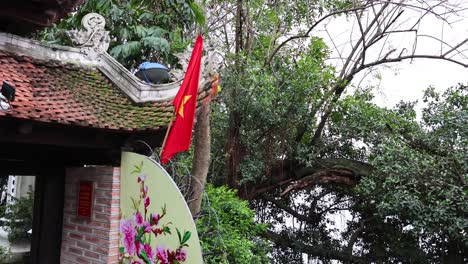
85	199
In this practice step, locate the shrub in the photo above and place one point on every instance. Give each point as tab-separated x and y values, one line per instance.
227	229
19	213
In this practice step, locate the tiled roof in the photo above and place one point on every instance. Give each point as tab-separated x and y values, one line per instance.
51	92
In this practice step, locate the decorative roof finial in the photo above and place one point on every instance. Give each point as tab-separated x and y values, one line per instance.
211	61
94	40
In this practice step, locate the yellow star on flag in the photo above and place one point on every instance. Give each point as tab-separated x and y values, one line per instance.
181	108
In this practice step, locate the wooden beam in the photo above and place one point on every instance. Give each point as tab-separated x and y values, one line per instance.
29	146
23	16
29	157
35	15
27	132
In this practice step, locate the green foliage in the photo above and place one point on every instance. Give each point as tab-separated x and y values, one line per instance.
19	213
419	182
265	121
227	229
274	108
425	168
4	254
409	210
139	29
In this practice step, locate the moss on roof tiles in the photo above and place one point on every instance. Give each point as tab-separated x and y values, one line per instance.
74	95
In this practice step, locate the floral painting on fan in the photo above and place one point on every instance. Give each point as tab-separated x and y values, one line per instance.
149	232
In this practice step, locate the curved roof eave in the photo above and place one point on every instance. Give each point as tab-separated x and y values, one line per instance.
134	88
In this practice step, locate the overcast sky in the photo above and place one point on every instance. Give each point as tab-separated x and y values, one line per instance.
407	80
411	79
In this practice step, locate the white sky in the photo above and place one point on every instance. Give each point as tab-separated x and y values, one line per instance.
412	78
407	80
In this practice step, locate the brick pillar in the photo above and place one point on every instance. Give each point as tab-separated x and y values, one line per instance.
95	240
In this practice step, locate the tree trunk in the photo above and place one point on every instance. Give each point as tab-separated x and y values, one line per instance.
201	158
233	151
233	148
239	25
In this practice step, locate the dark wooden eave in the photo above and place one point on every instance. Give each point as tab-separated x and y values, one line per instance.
25	16
28	146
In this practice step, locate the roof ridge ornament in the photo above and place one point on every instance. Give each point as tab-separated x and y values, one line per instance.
94	40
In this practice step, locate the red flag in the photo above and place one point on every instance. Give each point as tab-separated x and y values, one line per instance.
185	102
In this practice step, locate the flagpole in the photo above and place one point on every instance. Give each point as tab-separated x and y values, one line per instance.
167	133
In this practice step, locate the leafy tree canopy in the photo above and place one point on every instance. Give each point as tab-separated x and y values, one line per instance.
292	138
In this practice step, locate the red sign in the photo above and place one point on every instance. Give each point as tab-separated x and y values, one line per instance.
85	199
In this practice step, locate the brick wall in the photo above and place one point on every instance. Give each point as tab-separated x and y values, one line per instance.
95	240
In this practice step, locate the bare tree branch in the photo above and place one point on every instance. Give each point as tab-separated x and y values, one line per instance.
454	48
398	59
286	208
307	34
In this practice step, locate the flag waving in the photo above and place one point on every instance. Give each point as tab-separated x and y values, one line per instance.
180	134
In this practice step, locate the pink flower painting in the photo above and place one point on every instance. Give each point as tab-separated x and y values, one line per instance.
141	228
138	218
181	255
129	234
162	255
147	201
